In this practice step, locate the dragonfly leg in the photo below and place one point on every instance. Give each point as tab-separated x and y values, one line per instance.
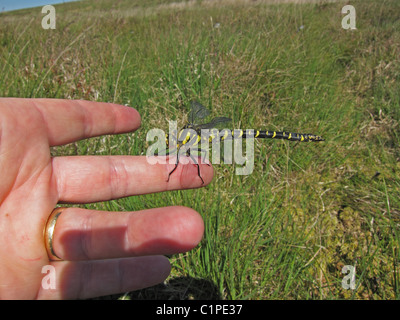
203	160
176	166
196	163
177	163
198	173
198	167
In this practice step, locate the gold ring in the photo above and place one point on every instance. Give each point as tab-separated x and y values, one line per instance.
49	233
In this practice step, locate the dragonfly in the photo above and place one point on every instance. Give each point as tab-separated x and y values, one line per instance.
190	136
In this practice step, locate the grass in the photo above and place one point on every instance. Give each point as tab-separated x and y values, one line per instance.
286	231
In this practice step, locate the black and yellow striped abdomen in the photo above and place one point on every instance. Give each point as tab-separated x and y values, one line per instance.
292	136
266	134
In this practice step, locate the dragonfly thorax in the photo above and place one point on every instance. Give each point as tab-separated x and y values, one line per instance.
187	133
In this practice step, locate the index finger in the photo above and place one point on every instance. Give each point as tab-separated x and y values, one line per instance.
72	120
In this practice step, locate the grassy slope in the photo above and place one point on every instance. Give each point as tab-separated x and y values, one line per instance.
307	210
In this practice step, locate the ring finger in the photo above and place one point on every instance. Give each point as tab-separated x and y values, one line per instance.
82	234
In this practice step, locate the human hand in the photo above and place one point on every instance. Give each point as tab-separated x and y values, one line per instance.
103	252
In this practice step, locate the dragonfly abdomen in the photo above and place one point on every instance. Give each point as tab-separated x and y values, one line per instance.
266	134
292	136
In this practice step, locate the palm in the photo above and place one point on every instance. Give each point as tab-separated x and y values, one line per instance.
32	183
26	177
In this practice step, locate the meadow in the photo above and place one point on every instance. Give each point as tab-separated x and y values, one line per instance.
308	209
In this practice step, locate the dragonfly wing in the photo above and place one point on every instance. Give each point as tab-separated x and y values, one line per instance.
198	111
214	123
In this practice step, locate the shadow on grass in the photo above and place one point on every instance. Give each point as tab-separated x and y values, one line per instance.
179	288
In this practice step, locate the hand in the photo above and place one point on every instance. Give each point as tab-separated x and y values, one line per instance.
103	253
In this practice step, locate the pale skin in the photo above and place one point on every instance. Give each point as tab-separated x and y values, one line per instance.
103	252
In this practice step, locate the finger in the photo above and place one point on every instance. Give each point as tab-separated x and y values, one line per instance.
91	235
72	120
89	279
84	179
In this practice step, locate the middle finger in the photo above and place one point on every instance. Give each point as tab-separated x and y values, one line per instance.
84	179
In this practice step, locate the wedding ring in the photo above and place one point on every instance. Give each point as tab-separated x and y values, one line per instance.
49	233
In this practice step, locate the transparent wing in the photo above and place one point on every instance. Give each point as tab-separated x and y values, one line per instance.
197	111
214	123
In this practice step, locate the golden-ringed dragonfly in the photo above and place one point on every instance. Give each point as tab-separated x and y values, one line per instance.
191	136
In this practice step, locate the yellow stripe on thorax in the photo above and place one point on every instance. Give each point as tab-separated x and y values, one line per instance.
197	140
186	138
